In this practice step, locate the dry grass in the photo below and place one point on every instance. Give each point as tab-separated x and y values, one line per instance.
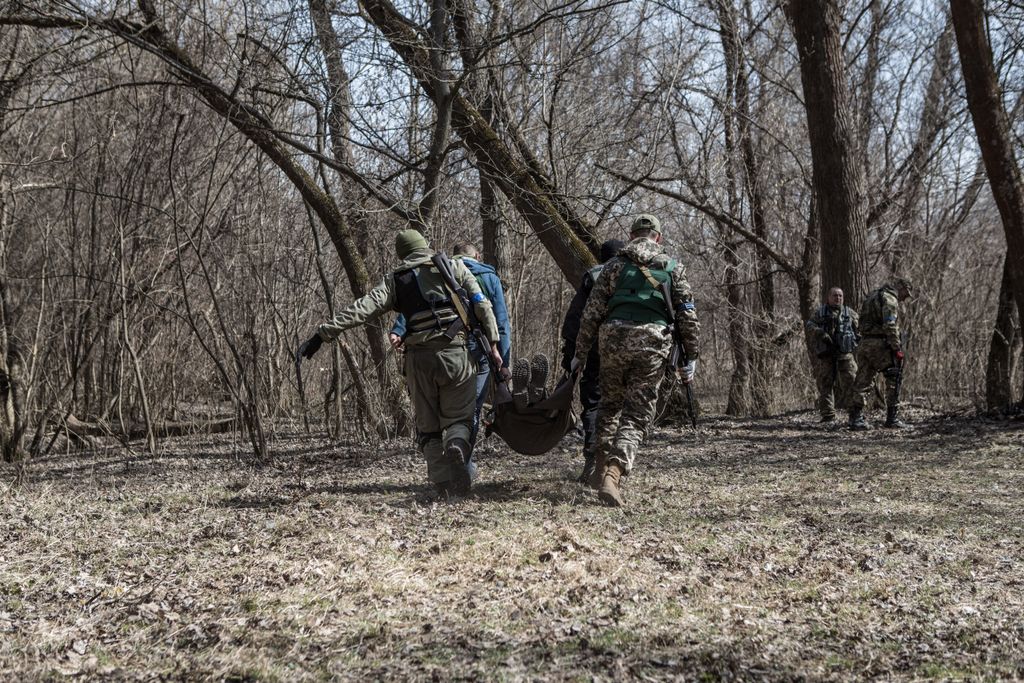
761	549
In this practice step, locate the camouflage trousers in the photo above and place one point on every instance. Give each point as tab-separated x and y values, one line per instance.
442	385
873	356
834	388
633	361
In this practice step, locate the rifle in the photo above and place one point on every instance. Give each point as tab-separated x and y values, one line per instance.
835	350
898	368
464	309
676	354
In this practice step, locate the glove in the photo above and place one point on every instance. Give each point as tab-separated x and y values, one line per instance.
827	338
310	346
688	372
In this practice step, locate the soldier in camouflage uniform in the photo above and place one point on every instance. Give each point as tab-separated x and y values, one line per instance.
880	350
833	329
439	372
627	311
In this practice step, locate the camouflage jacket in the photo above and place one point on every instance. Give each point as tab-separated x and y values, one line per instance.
833	321
381	299
644	252
879	316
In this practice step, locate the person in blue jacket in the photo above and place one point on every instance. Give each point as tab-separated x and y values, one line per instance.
490	285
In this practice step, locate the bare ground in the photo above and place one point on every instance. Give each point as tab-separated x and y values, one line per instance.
756	550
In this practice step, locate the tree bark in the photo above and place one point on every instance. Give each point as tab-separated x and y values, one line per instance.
1001	350
837	176
992	126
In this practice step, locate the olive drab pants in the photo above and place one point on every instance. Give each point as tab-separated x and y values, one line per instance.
442	385
873	356
834	391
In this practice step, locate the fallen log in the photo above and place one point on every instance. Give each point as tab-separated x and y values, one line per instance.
137	430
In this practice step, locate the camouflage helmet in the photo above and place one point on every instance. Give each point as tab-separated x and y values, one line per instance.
645	221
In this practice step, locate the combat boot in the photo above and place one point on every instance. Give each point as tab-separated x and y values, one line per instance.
456	453
857	421
892	418
521	383
609	492
589	465
597	474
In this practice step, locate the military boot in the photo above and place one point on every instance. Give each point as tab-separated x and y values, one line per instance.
597	474
609	491
589	465
521	383
538	378
857	421
892	418
456	453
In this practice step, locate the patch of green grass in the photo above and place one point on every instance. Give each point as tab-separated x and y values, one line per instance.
940	671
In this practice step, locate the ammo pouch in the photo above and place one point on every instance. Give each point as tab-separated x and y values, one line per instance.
847	342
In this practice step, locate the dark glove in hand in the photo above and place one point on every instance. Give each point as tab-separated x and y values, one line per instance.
310	346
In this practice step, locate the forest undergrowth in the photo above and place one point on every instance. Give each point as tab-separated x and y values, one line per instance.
755	549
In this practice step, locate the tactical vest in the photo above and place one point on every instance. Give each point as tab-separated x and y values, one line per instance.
424	309
871	322
636	298
840	328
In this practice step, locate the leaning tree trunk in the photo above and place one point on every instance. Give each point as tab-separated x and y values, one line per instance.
999	371
837	177
992	126
572	243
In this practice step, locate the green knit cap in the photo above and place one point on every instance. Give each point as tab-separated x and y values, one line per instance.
409	241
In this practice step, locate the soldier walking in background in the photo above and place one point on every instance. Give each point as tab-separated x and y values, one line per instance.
439	372
590	384
834	330
880	350
627	310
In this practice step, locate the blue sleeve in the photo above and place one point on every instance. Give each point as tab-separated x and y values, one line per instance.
399	326
494	292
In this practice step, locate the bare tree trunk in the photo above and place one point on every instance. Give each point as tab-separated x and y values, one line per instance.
739	381
1001	350
147	417
838	181
995	137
